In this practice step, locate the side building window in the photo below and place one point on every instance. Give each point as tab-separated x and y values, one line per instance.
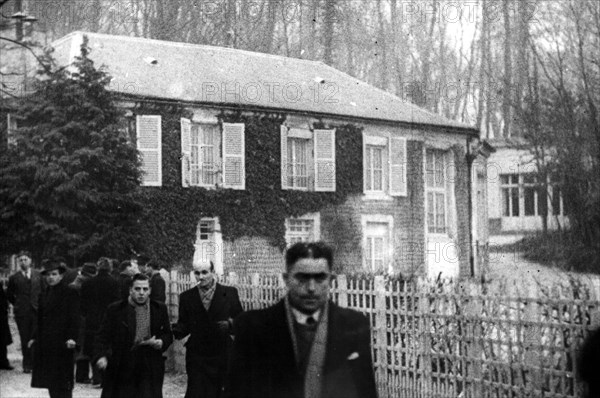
308	159
306	228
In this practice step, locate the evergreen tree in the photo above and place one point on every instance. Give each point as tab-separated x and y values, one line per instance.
68	179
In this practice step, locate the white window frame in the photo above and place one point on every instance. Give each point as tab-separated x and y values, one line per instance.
509	187
437	190
370	178
315	218
320	165
293	163
199	168
383	141
367	219
210	248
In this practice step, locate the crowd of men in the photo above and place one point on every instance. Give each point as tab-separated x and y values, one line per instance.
116	322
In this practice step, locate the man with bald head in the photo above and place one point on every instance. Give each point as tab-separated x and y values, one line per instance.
206	314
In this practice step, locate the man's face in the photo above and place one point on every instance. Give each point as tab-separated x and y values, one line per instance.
140	291
53	277
308	284
203	274
24	262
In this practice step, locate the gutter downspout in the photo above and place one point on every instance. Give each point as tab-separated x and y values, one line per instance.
470	157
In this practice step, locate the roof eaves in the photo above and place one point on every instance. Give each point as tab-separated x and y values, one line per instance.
473	132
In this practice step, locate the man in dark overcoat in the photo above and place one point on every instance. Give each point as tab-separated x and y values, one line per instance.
304	346
23	292
5	336
129	346
55	334
206	314
96	295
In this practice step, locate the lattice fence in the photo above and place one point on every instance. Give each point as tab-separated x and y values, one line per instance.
448	340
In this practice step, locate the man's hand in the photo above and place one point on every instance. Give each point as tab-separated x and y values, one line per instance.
153	342
223	326
101	363
30	343
71	344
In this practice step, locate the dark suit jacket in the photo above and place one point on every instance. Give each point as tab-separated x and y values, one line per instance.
263	364
159	288
206	340
115	342
97	293
24	293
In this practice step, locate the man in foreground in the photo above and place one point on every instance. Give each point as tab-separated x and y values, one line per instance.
134	334
304	346
206	314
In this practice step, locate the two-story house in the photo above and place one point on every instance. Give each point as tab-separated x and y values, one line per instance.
244	153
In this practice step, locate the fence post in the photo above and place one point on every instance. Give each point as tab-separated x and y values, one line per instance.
380	332
427	382
474	310
342	287
532	337
255	296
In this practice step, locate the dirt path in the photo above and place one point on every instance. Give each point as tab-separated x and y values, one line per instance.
16	384
512	266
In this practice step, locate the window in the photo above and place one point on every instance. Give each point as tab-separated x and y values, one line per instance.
209	242
303	229
297	166
377	242
149	144
374	176
205	164
308	159
435	188
509	186
212	155
384	166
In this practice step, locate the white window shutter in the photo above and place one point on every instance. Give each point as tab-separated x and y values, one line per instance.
186	151
149	143
324	141
398	185
284	137
234	170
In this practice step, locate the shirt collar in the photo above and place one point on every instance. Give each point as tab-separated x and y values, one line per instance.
27	274
301	317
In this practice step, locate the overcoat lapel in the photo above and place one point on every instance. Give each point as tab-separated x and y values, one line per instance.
336	341
129	317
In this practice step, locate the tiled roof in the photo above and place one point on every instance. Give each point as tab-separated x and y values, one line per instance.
225	76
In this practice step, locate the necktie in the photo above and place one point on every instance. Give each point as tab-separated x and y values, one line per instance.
310	321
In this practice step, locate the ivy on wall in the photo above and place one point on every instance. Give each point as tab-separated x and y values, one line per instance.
172	212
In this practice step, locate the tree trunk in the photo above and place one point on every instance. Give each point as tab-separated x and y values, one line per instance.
328	31
506	90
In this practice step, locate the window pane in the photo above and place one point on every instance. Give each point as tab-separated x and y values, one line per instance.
542	198
556	200
430	212
504	179
506	202
440	212
529	201
514	193
529	179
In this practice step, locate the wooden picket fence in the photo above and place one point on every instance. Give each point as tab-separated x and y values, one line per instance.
452	339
